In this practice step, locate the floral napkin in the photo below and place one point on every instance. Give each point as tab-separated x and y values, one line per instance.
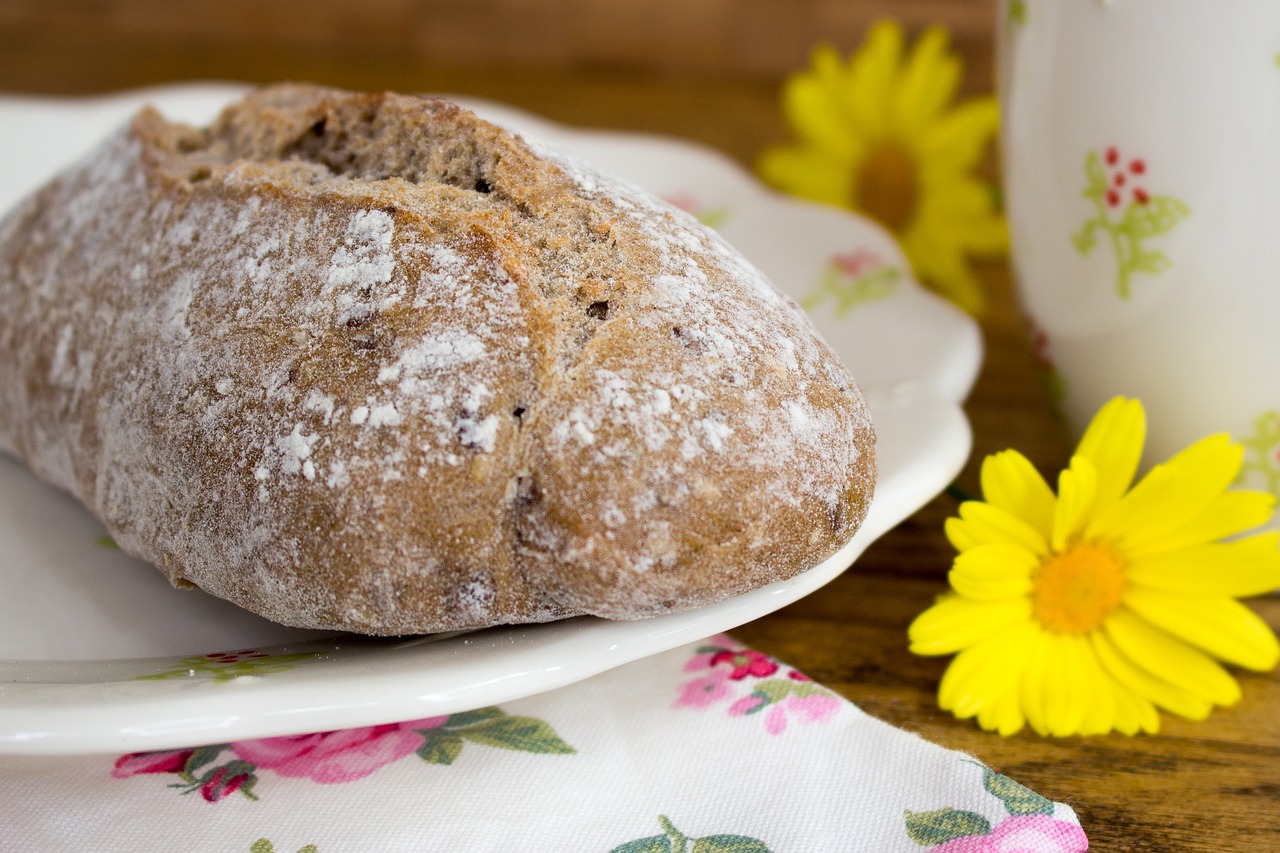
709	747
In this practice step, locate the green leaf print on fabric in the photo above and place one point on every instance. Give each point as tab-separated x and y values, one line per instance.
523	734
1127	215
1017	798
942	825
264	845
1029	826
490	727
674	841
439	747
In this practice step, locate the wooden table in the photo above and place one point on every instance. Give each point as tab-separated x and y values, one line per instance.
1207	786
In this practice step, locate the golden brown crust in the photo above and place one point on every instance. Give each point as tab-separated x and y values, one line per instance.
366	362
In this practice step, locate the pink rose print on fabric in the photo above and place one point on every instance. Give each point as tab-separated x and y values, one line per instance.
705	691
1026	834
335	757
213	781
745	663
749	683
151	762
224	781
804	709
1030	827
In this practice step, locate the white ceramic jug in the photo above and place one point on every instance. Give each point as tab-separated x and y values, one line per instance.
1141	148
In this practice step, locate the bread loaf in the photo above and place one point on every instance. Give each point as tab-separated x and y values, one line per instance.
369	363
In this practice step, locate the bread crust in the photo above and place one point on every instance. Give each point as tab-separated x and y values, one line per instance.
368	363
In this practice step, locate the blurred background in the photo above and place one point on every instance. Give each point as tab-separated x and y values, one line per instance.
590	62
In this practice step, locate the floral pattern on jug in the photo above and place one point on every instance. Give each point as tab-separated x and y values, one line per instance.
1128	214
1261	466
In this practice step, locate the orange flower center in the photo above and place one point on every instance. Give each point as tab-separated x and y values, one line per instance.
1077	589
886	186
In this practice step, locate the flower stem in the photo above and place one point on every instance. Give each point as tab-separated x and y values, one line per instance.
1122	266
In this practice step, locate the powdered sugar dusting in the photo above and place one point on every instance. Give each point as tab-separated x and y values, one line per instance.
364	259
384	414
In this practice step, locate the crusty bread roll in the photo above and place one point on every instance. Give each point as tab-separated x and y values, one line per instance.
369	363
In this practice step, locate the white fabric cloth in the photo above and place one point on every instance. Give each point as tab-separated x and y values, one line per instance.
705	748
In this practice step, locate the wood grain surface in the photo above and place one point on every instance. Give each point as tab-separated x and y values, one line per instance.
710	70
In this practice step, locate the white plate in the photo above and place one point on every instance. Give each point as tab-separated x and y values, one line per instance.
98	653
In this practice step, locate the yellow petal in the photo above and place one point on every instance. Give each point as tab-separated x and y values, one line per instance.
1100	712
983	672
1223	627
808	173
1066	691
928	82
1244	567
985	236
956	623
1032	688
962	535
817	114
1145	686
1077	487
1225	515
1142	505
873	73
994	571
1213	462
1134	713
1113	443
981	523
957	141
1171	494
1003	714
1010	482
937	259
982	235
828	70
951	223
951	200
1170	659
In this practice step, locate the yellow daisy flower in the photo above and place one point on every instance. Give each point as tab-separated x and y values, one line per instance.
1081	613
877	134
